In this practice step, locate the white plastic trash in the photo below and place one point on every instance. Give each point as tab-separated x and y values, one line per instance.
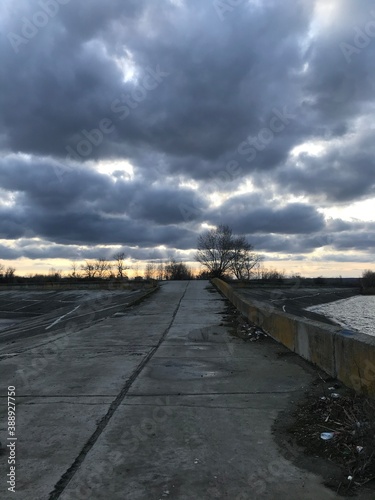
326	436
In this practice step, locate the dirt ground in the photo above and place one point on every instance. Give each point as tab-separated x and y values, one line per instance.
328	409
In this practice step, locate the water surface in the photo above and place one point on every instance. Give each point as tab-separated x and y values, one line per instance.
355	313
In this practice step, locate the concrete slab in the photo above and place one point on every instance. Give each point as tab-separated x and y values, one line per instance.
197	332
176	375
50	433
191	453
72	372
201	318
253	400
203	350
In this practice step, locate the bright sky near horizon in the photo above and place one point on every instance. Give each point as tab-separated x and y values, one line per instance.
133	125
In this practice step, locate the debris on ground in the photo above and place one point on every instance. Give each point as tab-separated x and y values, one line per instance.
241	327
340	427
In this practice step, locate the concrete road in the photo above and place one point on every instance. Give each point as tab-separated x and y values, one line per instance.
161	403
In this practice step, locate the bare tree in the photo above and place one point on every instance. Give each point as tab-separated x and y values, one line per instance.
177	271
1	270
221	252
10	273
215	250
150	271
258	270
160	271
74	270
120	265
136	270
102	267
272	274
89	269
368	279
55	274
245	261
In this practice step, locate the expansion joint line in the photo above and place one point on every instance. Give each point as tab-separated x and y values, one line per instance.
69	474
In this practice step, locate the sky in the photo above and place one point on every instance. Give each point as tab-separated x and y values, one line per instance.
135	125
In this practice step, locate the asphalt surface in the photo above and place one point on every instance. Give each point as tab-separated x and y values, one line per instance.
158	402
25	314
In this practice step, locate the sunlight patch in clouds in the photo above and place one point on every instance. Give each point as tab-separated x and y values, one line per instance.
7	198
217	199
310	148
326	13
360	210
189	184
116	168
127	66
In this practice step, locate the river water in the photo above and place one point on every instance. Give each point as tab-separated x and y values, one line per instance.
355	313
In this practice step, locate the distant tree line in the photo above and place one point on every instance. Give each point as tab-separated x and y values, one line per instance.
368	281
170	270
103	269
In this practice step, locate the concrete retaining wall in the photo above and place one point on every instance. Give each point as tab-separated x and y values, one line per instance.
346	355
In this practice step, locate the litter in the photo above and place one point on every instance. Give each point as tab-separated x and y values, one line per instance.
326	436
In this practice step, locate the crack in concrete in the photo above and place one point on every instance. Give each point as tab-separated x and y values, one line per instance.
211	394
213	407
70	402
59	396
69	474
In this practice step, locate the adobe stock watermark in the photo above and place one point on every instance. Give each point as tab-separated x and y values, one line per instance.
249	148
362	39
277	124
223	7
128	442
121	108
261	479
32	25
219	180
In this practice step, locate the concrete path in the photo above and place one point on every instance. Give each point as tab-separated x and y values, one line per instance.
161	403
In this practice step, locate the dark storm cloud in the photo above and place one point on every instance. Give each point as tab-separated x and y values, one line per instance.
350	240
345	173
291	244
249	214
11	224
85	206
212	98
337	236
215	100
